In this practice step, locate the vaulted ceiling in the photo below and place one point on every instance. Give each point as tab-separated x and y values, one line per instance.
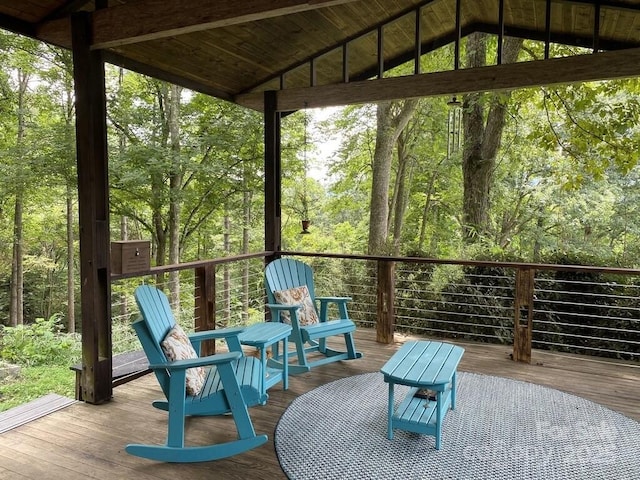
237	49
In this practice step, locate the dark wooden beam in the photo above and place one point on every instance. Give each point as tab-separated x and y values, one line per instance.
547	29
66	9
596	28
380	51
500	31
16	25
613	4
146	20
93	207
345	63
582	68
458	36
272	174
205	305
417	55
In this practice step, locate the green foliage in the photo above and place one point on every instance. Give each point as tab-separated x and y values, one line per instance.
39	344
34	382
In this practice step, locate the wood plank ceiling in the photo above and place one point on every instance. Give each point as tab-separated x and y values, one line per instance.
232	49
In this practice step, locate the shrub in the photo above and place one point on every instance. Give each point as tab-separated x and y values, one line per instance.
39	343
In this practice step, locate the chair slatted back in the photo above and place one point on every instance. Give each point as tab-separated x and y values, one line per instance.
157	320
286	273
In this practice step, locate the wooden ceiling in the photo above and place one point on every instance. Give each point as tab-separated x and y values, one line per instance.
237	49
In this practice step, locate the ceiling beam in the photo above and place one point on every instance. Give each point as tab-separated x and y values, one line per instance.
165	76
144	20
582	68
16	25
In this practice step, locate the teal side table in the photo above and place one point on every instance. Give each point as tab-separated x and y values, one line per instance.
262	336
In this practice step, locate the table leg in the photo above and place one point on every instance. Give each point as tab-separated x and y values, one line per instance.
390	413
453	391
263	361
439	415
285	364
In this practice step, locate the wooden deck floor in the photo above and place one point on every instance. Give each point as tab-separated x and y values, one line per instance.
85	441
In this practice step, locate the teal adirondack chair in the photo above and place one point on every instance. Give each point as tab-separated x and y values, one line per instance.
284	274
231	384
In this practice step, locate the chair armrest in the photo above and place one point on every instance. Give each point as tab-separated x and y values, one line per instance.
341	303
276	308
214	334
333	299
229	334
217	359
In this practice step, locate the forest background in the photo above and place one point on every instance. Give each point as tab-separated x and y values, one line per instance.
544	175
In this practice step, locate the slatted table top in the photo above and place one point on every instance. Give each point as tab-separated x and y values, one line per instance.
266	333
423	364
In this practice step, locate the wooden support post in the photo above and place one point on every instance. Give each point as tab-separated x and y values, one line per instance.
547	30
272	174
500	32
385	301
596	28
345	62
523	315
456	45
418	43
205	305
93	206
381	51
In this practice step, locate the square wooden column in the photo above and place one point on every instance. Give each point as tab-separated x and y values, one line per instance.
272	174
93	206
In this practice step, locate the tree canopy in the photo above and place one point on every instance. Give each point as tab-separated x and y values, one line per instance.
186	172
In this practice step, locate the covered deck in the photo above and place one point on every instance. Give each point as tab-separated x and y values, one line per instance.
86	441
278	57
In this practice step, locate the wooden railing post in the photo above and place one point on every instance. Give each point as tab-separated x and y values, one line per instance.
523	315
385	301
205	304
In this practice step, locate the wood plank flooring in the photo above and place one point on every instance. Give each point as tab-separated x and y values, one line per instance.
86	441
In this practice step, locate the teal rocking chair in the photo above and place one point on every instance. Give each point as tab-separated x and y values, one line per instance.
231	384
284	275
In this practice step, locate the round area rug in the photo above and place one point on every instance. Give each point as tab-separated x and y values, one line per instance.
501	429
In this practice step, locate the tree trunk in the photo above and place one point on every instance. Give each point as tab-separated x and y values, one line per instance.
16	307
226	274
71	190
392	118
481	142
401	191
427	203
71	289
246	200
16	314
175	187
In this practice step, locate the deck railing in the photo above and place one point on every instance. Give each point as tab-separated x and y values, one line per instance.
576	309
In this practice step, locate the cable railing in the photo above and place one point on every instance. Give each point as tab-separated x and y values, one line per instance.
600	316
238	298
575	309
585	310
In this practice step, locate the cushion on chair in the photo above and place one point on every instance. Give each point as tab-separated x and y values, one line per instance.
299	295
177	346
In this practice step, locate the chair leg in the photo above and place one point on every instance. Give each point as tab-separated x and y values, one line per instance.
236	402
351	346
176	411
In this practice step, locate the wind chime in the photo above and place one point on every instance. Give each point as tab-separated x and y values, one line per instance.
454	126
305	203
